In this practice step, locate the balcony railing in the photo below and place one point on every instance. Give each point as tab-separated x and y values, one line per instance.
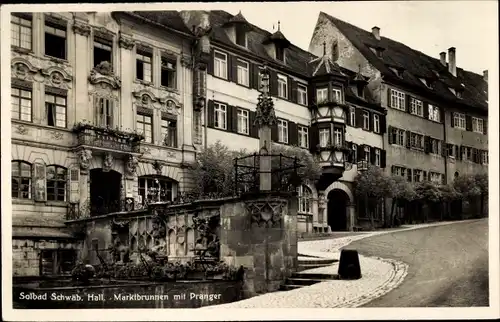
108	138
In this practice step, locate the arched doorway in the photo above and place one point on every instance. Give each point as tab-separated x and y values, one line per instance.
337	210
105	191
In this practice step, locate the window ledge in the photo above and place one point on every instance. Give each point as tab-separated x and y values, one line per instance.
54	203
140	81
57	60
17	201
169	89
220	77
65	129
22	50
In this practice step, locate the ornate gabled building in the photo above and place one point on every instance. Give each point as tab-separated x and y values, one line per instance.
436	112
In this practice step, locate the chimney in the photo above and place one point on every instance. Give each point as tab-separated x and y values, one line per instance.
376	32
485	75
452	61
442	58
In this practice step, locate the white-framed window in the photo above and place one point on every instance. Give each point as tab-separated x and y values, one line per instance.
397	99
377	157
466	153
145	126
156	188
303	136
434	113
459	120
324	138
55	109
398	136
417	141
337	95
57	177
366	120
399	171
169	131
168	72
220	64
21	32
435	146
282	131
321	95
338	136
367	153
305	200
243	75
243	121
376	123
417	175
352	116
435	177
21	177
417	107
21	101
282	86
144	60
105	112
220	116
484	157
302	94
477	125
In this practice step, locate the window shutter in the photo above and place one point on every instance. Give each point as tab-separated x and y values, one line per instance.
372	155
313	137
370	121
485	126
359	117
74	184
292	133
210	66
468	122
407	103
443	148
389	134
409	175
383	160
293	90
408	139
383	124
474	155
452	119
427	143
389	97
461	152
424	177
234	69
361	152
442	115
426	110
273	82
274	132
310	95
210	111
392	170
39	184
254	129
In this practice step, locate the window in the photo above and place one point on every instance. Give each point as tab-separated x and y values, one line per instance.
305	200
354	152
56	183
484	157
168	72
242	121
156	189
55	40
397	99
303	136
282	131
337	95
282	86
241	37
398	136
105	112
435	177
417	141
322	95
434	114
55	109
367	153
466	153
459	120
145	126
169	132
302	94
143	64
324	138
477	125
102	51
377	157
338	137
280	53
399	171
417	175
435	146
376	123
21	32
417	107
243	76
366	120
21	104
352	116
220	65
21	180
451	150
220	116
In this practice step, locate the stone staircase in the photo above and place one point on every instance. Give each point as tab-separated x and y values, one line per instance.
301	278
307	262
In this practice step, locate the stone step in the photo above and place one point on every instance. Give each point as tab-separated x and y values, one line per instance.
317	261
301	281
302	267
315	276
288	287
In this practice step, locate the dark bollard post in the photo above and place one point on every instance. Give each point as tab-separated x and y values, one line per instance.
349	268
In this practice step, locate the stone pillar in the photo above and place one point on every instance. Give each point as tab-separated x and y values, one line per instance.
322	216
186	122
82	101
351	216
127	116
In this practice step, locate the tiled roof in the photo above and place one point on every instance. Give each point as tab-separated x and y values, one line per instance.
416	65
171	19
325	66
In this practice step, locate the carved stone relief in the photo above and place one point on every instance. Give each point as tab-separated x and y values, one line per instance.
81	28
157	166
21	129
266	213
108	162
131	164
56	135
103	73
84	158
126	42
29	68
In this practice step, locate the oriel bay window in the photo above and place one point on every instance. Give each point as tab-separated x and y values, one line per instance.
168	71
338	136
21	104
321	95
337	95
55	37
21	31
169	130
21	180
324	137
103	49
55	107
56	183
144	123
143	63
156	189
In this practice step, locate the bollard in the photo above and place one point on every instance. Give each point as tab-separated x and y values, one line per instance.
349	268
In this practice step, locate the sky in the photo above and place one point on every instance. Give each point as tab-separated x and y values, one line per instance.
428	26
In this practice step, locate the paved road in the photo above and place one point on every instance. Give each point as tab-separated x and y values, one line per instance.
448	265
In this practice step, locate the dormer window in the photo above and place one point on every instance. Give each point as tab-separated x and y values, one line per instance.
280	53
427	83
377	51
398	72
241	36
459	94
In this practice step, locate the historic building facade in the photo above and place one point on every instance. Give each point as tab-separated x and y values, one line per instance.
436	112
101	116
